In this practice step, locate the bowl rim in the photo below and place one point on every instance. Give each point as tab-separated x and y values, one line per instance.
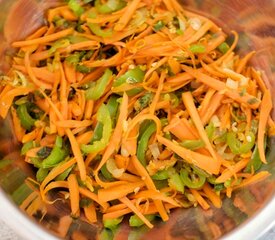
19	222
255	226
252	228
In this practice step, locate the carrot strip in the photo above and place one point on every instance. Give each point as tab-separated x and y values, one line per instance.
265	110
45	39
130	205
94	197
197	159
200	199
254	179
116	137
73	123
150	184
212	196
228	173
191	108
74	194
126	17
90	213
246	99
116	192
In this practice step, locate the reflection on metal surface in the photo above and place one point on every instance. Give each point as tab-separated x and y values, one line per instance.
254	20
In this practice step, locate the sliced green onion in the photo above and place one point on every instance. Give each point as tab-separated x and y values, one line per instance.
195	183
236	146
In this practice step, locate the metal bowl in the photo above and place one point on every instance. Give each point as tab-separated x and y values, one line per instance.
254	21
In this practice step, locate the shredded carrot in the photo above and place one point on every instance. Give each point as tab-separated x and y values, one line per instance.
228	173
213	197
127	202
74	194
90	213
150	184
199	160
265	109
200	199
41	40
119	191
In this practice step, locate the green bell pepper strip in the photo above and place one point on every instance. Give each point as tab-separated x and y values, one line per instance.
112	223
223	47
41	174
97	132
255	160
76	7
44	152
27	146
37	162
65	174
135	221
57	155
106	174
193	144
236	146
96	29
195	184
95	92
176	183
158	26
103	116
143	143
132	76
161	175
210	130
113	105
25	118
197	48
109	6
61	43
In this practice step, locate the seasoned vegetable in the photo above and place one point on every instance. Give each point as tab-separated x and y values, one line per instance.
134	107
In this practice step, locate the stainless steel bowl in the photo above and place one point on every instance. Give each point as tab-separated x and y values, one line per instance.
254	21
